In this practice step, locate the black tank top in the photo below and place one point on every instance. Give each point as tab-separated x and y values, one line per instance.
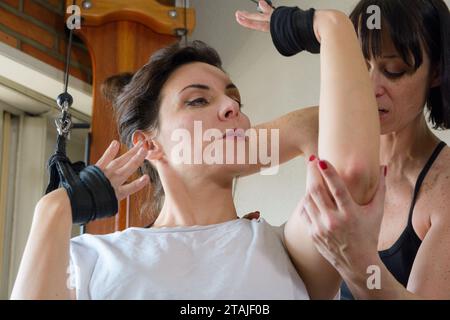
400	257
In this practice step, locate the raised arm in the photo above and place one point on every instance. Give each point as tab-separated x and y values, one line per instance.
298	135
348	114
348	138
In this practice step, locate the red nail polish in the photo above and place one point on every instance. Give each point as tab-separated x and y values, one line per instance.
385	171
323	165
312	158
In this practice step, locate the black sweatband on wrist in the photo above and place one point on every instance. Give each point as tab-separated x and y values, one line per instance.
292	31
91	195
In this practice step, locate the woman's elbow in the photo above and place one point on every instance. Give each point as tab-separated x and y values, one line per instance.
361	181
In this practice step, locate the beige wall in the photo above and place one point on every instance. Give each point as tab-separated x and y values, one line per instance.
270	85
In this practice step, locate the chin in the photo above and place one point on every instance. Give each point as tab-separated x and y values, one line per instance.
386	129
385	132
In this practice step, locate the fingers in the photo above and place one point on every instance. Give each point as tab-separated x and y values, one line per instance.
318	189
312	215
133	187
132	165
255	25
255	21
313	178
125	158
336	185
265	7
305	217
109	155
262	17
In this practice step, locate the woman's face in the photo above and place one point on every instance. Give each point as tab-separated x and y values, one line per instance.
198	96
400	91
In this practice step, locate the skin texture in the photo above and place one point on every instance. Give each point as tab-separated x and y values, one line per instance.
406	145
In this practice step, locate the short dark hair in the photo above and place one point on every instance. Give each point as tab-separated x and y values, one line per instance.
137	100
411	24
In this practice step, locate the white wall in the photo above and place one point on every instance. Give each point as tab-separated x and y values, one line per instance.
37	142
29	86
270	85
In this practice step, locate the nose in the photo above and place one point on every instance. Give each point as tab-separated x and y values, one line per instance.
229	110
377	82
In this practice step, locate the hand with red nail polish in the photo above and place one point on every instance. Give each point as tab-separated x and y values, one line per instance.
323	165
336	221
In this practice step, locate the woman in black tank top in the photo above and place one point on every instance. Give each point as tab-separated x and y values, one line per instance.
399	258
376	255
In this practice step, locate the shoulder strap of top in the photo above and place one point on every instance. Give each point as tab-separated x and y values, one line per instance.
422	176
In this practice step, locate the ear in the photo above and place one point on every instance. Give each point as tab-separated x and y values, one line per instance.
140	136
155	150
436	78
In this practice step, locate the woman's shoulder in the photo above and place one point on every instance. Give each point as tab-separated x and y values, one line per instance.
89	239
269	232
439	183
442	168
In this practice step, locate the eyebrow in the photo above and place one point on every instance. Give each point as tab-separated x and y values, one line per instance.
205	87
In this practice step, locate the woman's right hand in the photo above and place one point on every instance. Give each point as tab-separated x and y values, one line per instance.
119	170
256	21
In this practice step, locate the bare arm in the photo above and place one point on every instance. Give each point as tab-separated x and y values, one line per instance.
43	269
349	125
357	228
432	280
348	138
430	274
44	266
348	120
298	135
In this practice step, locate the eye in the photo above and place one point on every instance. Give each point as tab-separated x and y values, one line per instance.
197	102
394	75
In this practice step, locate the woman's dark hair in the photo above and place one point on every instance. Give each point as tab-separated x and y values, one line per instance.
137	100
411	24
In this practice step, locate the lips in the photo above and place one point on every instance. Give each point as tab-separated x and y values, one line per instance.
233	133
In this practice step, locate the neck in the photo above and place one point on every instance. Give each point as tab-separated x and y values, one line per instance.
194	201
409	147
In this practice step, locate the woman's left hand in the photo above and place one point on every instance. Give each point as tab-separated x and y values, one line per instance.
345	233
256	21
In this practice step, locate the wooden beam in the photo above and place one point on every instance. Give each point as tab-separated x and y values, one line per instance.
121	36
160	18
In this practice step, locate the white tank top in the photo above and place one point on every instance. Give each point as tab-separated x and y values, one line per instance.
239	259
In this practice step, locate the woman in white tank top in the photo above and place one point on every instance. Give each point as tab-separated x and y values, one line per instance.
197	248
